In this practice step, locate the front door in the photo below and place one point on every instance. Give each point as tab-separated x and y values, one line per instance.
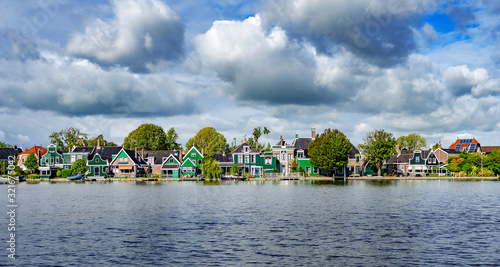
96	171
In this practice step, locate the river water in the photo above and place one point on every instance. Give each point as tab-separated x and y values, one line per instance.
288	223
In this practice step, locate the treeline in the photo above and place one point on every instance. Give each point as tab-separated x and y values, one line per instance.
475	163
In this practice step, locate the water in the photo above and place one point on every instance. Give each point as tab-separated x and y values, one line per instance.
367	223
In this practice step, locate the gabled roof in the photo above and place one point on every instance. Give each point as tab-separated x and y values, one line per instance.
83	149
354	151
188	163
189	152
160	154
403	158
106	152
223	158
6	152
240	149
489	149
35	150
302	143
471	145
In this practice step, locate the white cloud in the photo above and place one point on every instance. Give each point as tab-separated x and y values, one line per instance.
2	135
128	38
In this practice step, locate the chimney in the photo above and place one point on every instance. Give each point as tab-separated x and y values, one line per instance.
202	151
281	137
223	152
439	146
98	142
242	142
313	133
234	142
180	154
135	152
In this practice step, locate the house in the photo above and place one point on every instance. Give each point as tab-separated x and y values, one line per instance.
488	149
6	155
191	162
248	159
417	164
164	163
285	154
99	160
398	165
225	162
355	162
51	162
301	153
37	150
469	145
126	164
75	154
268	162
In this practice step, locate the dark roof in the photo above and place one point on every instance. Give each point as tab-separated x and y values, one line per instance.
354	151
6	152
160	154
404	157
302	143
106	152
239	149
489	149
223	158
83	149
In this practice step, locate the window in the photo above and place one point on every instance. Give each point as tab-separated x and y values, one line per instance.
290	156
357	158
193	155
57	160
268	160
308	169
246	159
46	160
51	160
417	159
283	157
171	161
254	158
245	149
97	160
300	154
73	158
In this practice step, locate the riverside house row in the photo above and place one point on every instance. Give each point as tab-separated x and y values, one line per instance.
282	159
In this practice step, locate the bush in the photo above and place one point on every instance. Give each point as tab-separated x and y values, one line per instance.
486	173
58	174
34	176
65	173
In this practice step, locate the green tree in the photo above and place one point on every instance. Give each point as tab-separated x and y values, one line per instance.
68	138
79	166
172	139
268	147
31	163
147	136
330	150
210	168
208	140
102	142
492	161
2	144
379	145
411	141
436	146
235	169
258	132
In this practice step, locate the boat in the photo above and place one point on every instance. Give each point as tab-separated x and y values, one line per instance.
232	178
76	176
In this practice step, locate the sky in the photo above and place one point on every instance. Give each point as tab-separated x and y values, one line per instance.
106	67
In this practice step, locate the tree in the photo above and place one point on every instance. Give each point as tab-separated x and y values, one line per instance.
31	163
102	142
66	139
411	141
208	140
330	150
235	169
436	146
147	136
79	166
210	168
257	133
492	161
379	145
268	148
2	144
172	139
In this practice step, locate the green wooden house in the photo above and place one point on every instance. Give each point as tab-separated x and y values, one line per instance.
191	162
248	159
51	162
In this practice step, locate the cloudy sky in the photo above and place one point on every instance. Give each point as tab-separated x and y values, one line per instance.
425	66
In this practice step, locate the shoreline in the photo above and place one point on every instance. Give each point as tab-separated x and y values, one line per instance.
362	178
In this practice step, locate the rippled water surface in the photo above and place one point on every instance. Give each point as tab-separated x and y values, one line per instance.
368	223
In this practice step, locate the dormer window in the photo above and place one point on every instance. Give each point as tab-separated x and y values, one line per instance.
246	149
300	154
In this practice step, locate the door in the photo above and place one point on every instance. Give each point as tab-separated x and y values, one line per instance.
97	171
